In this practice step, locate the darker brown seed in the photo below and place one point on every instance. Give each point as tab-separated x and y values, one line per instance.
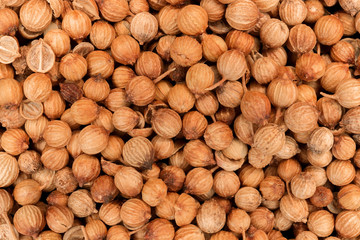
322	197
70	92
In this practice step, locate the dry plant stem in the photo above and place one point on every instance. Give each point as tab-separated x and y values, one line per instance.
329	96
243	82
288	190
10	226
279	113
214	169
216	84
162	76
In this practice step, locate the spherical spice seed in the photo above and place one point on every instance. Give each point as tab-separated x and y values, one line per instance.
174	119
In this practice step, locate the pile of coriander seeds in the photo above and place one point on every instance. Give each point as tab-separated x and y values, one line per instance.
179	119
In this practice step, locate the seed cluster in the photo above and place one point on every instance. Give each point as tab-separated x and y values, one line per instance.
178	119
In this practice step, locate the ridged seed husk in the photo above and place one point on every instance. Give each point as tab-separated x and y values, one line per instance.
138	152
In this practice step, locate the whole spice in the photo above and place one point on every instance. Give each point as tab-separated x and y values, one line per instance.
85	168
59	41
255	107
93	139
46	178
344	147
35	15
159	229
103	190
113	10
347	224
199	77
274	33
322	197
263	219
329	30
186	208
198	181
218	136
109	213
100	65
73	67
248	198
173	177
302	39
76	24
303	185
189	232
118	231
54	158
168	20
163	147
310	67
139	159
144	27
294	209
9	22
211	217
59	218
350	7
102	34
81	203
269	139
140	90
347	197
186	17
125	49
214	9
335	73
315	10
214	110
12	95
144	68
129	182
65	182
29	162
292	12
27	192
198	154
344	93
154	191
226	184
272	188
248	17
142	216
185	51
301	117
180	98
340	173
251	176
29	220
15	141
264	70
238	221
240	40
166	123
282	92
344	52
